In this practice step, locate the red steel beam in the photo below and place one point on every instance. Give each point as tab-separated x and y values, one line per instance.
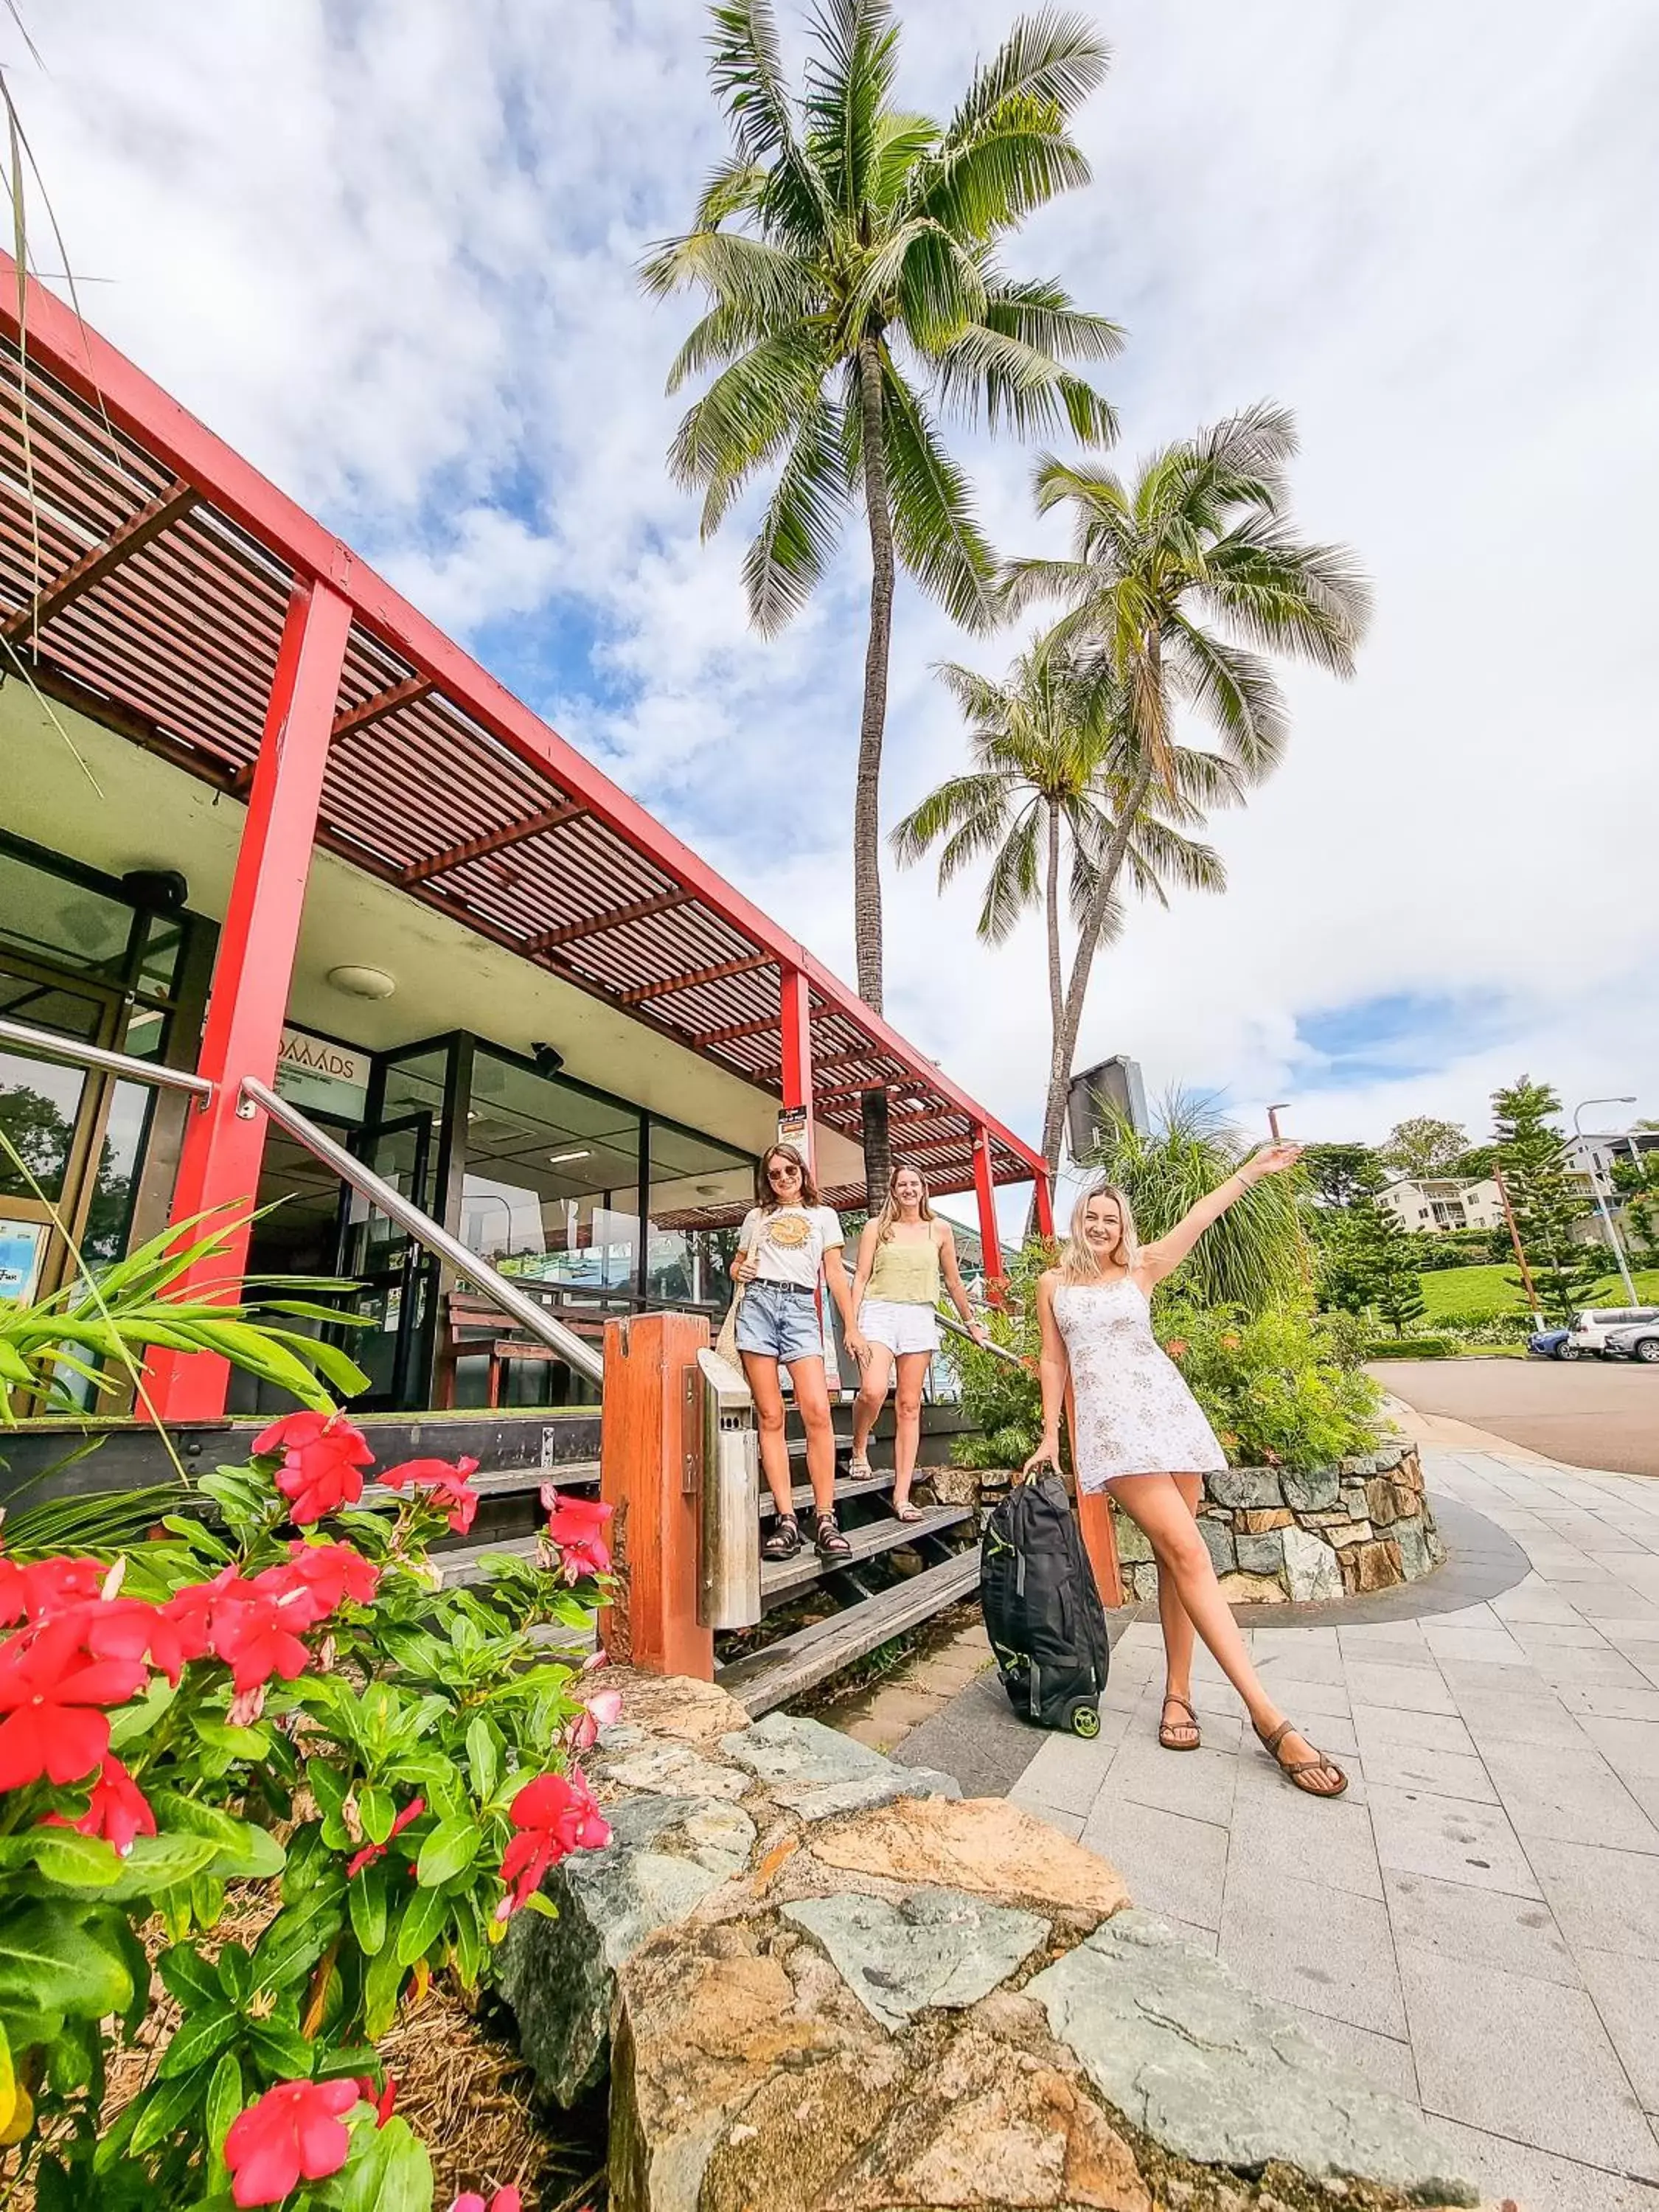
219	1164
732	1033
376	709
692	978
597	924
795	1024
64	345
985	1190
72	583
492	841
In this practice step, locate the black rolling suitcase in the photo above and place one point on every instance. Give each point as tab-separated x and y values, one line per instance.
1043	1611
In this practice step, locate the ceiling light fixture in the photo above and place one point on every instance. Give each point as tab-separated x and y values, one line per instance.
558	1159
362	983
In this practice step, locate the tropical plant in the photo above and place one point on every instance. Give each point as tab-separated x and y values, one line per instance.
1186	578
1370	1262
1253	1257
1546	1201
1335	1172
1637	1183
848	251
1054	769
167	1711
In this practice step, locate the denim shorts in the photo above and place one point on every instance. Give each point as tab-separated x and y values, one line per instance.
781	1323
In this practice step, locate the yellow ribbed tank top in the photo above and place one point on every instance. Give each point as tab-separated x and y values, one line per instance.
905	1274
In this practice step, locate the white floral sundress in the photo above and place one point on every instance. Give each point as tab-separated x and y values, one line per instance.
1133	1413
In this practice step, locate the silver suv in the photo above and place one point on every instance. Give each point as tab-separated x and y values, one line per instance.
1591	1329
1639	1341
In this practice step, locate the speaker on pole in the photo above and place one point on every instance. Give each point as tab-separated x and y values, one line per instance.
1111	1090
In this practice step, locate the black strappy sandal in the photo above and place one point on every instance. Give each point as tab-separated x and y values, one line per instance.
829	1539
785	1540
1297	1770
1179	1736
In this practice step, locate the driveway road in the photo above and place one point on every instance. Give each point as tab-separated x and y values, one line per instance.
1588	1414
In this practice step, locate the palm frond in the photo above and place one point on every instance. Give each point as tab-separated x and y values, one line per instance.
750	412
848	81
798	532
935	530
1049	59
990	377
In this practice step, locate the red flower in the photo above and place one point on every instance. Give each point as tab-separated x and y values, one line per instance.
323	1458
293	2134
119	1810
253	1633
574	1525
370	1852
317	1579
44	1588
127	1628
504	2200
382	2100
555	1815
50	1688
446	1485
601	1710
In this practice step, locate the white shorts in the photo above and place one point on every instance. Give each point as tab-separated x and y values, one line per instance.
902	1328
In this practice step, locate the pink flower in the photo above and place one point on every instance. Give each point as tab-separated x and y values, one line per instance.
504	2200
602	1710
119	1810
317	1579
51	1691
370	1852
323	1457
555	1815
575	1526
294	2133
444	1484
42	1589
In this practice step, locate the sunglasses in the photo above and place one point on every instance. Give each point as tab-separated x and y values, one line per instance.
780	1173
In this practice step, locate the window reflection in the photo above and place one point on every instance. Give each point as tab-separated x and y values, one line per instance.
550	1190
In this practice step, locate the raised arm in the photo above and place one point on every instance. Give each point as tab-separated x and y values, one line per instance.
1054	1369
1165	1255
952	1274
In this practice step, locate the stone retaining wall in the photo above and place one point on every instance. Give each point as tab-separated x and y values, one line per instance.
820	1981
1308	1539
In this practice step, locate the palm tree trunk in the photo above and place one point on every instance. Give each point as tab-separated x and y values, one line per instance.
1056	987
1071	1020
866	803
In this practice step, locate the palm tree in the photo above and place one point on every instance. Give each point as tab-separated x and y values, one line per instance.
1184	580
847	250
1054	768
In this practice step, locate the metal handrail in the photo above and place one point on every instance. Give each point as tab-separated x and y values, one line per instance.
95	1055
957	1328
528	1312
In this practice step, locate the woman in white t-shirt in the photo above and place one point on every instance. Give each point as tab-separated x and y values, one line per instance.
789	1253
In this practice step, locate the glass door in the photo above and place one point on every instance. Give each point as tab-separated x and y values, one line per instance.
397	1280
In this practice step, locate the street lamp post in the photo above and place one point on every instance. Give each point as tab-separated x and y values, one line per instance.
1601	1202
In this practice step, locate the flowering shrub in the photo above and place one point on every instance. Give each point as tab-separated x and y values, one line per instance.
167	1713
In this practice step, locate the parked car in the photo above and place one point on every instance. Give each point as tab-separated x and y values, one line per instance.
1591	1328
1552	1344
1639	1341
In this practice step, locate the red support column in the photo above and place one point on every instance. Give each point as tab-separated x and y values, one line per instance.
986	1190
1043	1191
222	1150
795	1011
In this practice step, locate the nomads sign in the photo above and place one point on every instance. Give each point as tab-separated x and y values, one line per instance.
331	1078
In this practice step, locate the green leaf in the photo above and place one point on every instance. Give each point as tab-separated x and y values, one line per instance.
366	1896
248	1743
138	1719
377	1811
224	2102
449	1851
57	1957
296	1939
236	1976
284	2051
72	1860
539	1903
186	1975
484	1758
163	2109
156	1863
422	1924
202	2036
389	2171
382	1986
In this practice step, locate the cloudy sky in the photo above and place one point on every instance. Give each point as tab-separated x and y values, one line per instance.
387	247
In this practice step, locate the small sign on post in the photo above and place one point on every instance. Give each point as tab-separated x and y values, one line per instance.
795	1127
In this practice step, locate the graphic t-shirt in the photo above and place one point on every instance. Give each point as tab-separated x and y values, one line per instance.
788	1244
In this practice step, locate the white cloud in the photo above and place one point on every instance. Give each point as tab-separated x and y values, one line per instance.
388	250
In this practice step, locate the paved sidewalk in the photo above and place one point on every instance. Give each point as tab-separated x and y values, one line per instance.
1476	1923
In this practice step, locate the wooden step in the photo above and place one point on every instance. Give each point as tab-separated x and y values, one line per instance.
503	1481
787	1669
783	1578
801	1496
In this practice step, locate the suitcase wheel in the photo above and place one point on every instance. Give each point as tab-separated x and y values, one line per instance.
1084	1720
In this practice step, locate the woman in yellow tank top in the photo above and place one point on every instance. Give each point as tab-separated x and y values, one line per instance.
905	1255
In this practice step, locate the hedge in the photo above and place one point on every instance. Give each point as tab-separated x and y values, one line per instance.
1412	1347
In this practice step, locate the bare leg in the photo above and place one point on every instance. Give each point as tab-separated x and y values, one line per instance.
813	1404
906	1437
1156	1505
872	1396
762	1370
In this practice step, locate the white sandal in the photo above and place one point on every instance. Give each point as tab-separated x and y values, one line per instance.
860	1470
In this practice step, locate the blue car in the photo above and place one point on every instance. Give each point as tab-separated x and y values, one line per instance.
1552	1344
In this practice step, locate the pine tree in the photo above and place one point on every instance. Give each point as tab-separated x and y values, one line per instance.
1546	1203
1370	1262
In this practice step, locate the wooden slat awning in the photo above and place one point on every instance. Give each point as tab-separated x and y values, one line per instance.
146	582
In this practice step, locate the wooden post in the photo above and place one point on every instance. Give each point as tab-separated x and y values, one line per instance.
1514	1238
650	1444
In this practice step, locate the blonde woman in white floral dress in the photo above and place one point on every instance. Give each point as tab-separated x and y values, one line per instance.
1139	1437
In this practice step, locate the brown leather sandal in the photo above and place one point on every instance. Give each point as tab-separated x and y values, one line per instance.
1298	1771
1179	1736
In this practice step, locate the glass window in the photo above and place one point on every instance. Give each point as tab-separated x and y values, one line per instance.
551	1189
158	963
51	918
38	1102
109	1215
687	1261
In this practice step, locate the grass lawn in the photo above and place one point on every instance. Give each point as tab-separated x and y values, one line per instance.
1460	1293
